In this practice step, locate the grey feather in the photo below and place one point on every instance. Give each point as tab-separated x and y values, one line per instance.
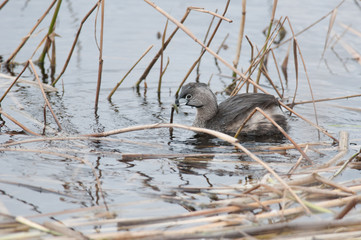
229	115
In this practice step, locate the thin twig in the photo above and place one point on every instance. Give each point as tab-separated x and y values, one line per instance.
44	95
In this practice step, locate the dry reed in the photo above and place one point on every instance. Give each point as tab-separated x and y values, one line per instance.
100	69
237	211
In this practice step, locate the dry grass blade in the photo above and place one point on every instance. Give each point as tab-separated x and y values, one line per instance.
47	88
60	228
291	171
351	204
296	48
256	61
151	64
309	122
191	35
261	65
330	26
331	183
267	76
355	55
295	59
161	60
209	12
279	128
229	65
25	39
50	31
44	95
327	99
204	42
203	51
100	69
310	26
34	225
285	64
13	83
240	36
18	123
350	29
345	164
135	64
343	148
278	72
220	135
74	43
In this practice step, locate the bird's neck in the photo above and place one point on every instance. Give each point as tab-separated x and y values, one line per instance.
206	112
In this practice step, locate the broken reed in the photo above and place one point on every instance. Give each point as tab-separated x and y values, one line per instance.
252	201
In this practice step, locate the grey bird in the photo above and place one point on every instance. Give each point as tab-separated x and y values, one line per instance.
229	115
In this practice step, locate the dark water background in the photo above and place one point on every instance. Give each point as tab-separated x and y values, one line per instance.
130	27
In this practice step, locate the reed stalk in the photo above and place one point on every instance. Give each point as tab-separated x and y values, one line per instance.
161	61
13	83
267	38
311	25
100	69
240	36
3	4
50	31
296	45
44	95
18	123
204	42
204	49
191	35
129	71
26	38
220	135
74	43
156	57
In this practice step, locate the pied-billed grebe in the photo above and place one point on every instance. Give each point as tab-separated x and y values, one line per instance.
229	115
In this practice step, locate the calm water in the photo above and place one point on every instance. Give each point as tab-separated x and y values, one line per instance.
130	27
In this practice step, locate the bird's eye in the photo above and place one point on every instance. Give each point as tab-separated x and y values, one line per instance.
188	96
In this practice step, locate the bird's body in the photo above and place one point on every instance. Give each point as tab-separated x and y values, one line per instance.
229	115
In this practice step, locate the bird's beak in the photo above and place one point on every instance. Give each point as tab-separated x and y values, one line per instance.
181	101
